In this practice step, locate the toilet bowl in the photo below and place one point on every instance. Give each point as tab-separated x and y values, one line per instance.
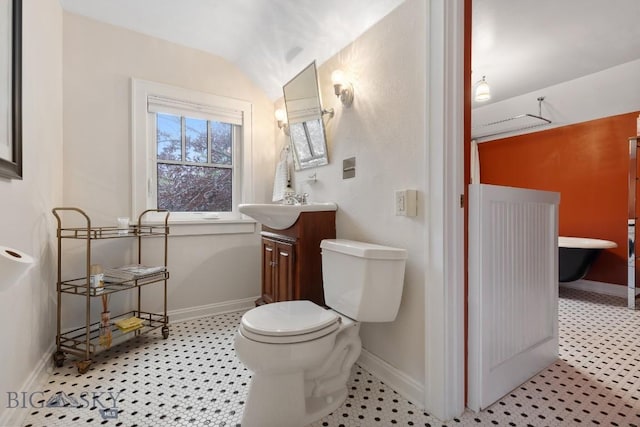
286	355
286	336
301	354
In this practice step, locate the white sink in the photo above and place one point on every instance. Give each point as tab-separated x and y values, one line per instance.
280	217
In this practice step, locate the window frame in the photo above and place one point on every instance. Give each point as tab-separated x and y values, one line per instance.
143	159
236	154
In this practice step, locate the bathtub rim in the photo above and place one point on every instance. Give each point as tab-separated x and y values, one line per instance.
585	243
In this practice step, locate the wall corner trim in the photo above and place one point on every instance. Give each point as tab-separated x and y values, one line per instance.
444	395
400	382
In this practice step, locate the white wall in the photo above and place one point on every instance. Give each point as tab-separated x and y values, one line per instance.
99	61
385	129
607	93
27	309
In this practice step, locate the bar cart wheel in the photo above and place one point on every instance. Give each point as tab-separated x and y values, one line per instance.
58	358
83	366
165	332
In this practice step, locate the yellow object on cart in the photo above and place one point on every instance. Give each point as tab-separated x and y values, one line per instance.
129	324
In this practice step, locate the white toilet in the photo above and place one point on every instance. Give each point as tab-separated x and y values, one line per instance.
301	354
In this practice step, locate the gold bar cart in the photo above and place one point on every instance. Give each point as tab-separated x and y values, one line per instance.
82	342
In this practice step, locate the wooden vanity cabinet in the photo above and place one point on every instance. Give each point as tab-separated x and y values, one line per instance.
277	270
291	259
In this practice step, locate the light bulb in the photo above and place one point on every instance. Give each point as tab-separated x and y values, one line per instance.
280	115
342	88
337	77
483	91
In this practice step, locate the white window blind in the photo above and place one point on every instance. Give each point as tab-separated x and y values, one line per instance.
157	104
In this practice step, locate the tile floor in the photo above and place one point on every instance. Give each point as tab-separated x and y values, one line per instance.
194	379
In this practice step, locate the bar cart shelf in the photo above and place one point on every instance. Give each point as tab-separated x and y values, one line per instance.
85	341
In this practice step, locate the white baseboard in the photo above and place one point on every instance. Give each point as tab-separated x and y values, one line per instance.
599	287
184	314
400	382
35	382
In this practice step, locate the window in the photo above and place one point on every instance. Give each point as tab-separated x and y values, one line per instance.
308	138
191	152
194	164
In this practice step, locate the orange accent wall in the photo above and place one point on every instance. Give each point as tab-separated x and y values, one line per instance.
588	164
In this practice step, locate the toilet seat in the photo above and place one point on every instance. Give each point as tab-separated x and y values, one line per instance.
288	322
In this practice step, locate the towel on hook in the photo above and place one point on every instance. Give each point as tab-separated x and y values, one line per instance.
281	179
475	162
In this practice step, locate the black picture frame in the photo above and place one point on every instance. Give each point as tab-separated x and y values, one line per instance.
12	168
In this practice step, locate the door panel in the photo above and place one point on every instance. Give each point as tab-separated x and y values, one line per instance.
268	273
284	260
513	288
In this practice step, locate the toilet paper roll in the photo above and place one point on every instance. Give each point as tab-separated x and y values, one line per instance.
13	265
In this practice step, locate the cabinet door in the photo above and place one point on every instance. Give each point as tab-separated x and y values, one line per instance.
268	270
284	272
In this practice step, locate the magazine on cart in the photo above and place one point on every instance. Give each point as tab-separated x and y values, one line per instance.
131	272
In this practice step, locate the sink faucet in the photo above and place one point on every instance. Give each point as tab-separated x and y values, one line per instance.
303	198
297	199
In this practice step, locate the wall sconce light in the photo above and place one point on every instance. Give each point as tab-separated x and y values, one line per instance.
483	91
281	117
342	88
330	112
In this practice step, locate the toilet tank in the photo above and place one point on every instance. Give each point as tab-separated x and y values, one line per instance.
361	280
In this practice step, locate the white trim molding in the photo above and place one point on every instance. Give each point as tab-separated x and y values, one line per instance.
599	287
444	276
397	380
191	313
212	226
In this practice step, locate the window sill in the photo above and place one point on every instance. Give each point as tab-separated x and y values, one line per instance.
203	227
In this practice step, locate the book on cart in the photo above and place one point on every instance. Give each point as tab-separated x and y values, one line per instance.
132	272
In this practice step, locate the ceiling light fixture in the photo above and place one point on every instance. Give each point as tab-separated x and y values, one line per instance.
342	88
483	91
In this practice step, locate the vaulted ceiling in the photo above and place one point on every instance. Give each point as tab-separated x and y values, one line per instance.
269	40
521	46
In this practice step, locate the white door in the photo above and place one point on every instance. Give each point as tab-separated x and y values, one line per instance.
513	288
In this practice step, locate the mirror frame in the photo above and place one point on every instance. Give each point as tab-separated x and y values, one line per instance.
319	118
12	168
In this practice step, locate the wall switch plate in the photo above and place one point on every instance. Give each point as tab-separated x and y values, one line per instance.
406	202
349	168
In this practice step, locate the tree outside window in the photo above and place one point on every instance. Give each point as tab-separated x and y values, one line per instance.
194	164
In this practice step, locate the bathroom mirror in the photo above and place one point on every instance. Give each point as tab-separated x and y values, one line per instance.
304	113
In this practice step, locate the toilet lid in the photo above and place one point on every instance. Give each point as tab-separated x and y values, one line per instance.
288	318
